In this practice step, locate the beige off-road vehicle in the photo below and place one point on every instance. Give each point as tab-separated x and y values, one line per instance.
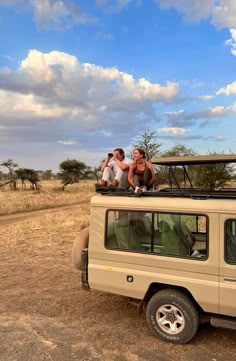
172	250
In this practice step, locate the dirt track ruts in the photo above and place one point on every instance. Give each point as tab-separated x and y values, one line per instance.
18	217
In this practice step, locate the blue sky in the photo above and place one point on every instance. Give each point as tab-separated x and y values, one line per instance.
79	78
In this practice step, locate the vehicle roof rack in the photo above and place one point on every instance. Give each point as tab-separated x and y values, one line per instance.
195	159
195	193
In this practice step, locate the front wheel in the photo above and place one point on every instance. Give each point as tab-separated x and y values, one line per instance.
172	316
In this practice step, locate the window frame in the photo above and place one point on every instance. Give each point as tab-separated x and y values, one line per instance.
151	252
233	263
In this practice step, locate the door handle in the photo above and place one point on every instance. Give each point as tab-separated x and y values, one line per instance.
229	279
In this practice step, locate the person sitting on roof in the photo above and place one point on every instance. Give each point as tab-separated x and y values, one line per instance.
141	173
115	170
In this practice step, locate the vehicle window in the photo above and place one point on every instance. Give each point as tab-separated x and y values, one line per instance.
230	237
157	233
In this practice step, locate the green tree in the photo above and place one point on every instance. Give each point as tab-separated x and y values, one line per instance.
10	165
213	176
48	174
71	171
147	141
179	150
93	173
28	174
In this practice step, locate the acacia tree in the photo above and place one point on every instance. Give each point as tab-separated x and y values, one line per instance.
179	150
163	174
147	141
10	165
213	176
71	171
93	173
28	174
204	176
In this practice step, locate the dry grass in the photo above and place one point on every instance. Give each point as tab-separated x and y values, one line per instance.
50	195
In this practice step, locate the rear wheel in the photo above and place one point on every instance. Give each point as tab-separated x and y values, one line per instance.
172	316
79	244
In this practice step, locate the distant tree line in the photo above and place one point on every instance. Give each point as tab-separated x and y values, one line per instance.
72	170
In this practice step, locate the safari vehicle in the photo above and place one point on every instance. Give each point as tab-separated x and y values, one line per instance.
171	250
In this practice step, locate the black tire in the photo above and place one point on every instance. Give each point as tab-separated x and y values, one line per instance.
172	316
79	244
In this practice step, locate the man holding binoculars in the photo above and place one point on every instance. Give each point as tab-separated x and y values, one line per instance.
115	170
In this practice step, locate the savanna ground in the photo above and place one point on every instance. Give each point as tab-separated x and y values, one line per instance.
44	314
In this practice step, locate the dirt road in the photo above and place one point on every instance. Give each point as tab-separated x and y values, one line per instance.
45	316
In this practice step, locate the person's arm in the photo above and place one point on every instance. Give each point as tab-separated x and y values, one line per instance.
105	163
153	179
121	164
130	175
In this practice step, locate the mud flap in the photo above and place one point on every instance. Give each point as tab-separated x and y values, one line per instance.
84	274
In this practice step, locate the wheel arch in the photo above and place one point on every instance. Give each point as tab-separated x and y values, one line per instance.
154	287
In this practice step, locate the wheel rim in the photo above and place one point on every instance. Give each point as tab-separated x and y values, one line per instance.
170	319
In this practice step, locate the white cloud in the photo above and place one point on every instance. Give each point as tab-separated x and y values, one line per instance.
174	117
233	34
193	10
221	12
217	138
229	89
218	111
233	108
175	113
66	142
58	13
220	138
172	130
232	41
206	97
224	13
53	96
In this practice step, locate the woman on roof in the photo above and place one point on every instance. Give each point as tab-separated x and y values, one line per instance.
141	173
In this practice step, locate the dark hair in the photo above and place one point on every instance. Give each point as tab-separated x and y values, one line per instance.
120	151
141	151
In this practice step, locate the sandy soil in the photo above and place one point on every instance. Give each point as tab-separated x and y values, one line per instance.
45	316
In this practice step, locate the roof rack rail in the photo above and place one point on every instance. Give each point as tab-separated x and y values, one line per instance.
173	192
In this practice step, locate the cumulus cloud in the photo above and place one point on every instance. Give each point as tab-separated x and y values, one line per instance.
56	93
221	12
58	13
224	13
232	41
229	89
172	130
214	112
181	119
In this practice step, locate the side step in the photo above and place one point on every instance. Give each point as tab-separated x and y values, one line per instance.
224	323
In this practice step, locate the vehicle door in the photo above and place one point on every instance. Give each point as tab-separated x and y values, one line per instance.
227	277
